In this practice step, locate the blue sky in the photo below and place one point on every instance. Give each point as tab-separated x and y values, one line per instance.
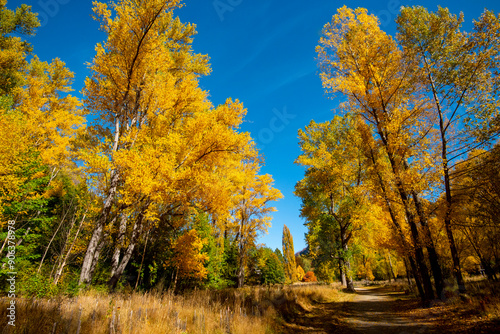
262	53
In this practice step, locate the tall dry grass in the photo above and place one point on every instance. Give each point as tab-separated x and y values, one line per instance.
246	310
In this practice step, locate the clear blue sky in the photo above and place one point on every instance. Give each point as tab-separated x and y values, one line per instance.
262	53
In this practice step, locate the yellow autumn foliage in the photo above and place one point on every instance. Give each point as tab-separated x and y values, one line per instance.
188	258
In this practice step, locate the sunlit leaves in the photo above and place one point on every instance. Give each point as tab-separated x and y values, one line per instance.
159	149
189	259
289	255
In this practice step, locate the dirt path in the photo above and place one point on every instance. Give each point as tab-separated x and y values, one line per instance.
380	311
372	310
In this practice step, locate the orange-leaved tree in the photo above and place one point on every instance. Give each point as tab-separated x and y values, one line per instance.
188	257
309	277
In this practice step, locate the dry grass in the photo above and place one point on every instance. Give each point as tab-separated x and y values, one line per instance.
476	312
482	298
247	310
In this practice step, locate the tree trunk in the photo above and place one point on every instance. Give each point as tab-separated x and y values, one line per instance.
421	266
431	249
122	229
60	256
54	235
60	269
390	267
142	261
136	230
397	226
457	271
241	264
97	253
490	273
241	276
241	255
20	241
345	259
408	273
342	272
419	254
176	273
348	276
92	254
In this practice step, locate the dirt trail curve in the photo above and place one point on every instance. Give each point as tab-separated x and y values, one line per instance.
372	310
376	311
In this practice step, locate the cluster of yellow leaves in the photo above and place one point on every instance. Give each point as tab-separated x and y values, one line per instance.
169	144
11	154
251	210
42	125
300	273
52	121
335	171
352	46
188	257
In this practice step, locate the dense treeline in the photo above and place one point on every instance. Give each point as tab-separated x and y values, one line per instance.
161	188
410	167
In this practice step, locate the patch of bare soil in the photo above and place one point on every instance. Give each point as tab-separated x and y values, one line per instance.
383	310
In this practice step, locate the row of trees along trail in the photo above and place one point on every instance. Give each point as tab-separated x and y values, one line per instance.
146	183
159	187
418	112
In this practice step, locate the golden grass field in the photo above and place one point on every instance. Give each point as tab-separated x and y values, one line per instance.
267	309
247	310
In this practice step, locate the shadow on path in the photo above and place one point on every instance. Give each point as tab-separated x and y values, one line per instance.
378	311
373	310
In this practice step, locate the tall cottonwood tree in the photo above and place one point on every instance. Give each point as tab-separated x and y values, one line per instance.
159	147
251	213
460	79
382	86
332	190
39	118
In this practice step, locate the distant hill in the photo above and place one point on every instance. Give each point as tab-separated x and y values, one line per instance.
303	252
